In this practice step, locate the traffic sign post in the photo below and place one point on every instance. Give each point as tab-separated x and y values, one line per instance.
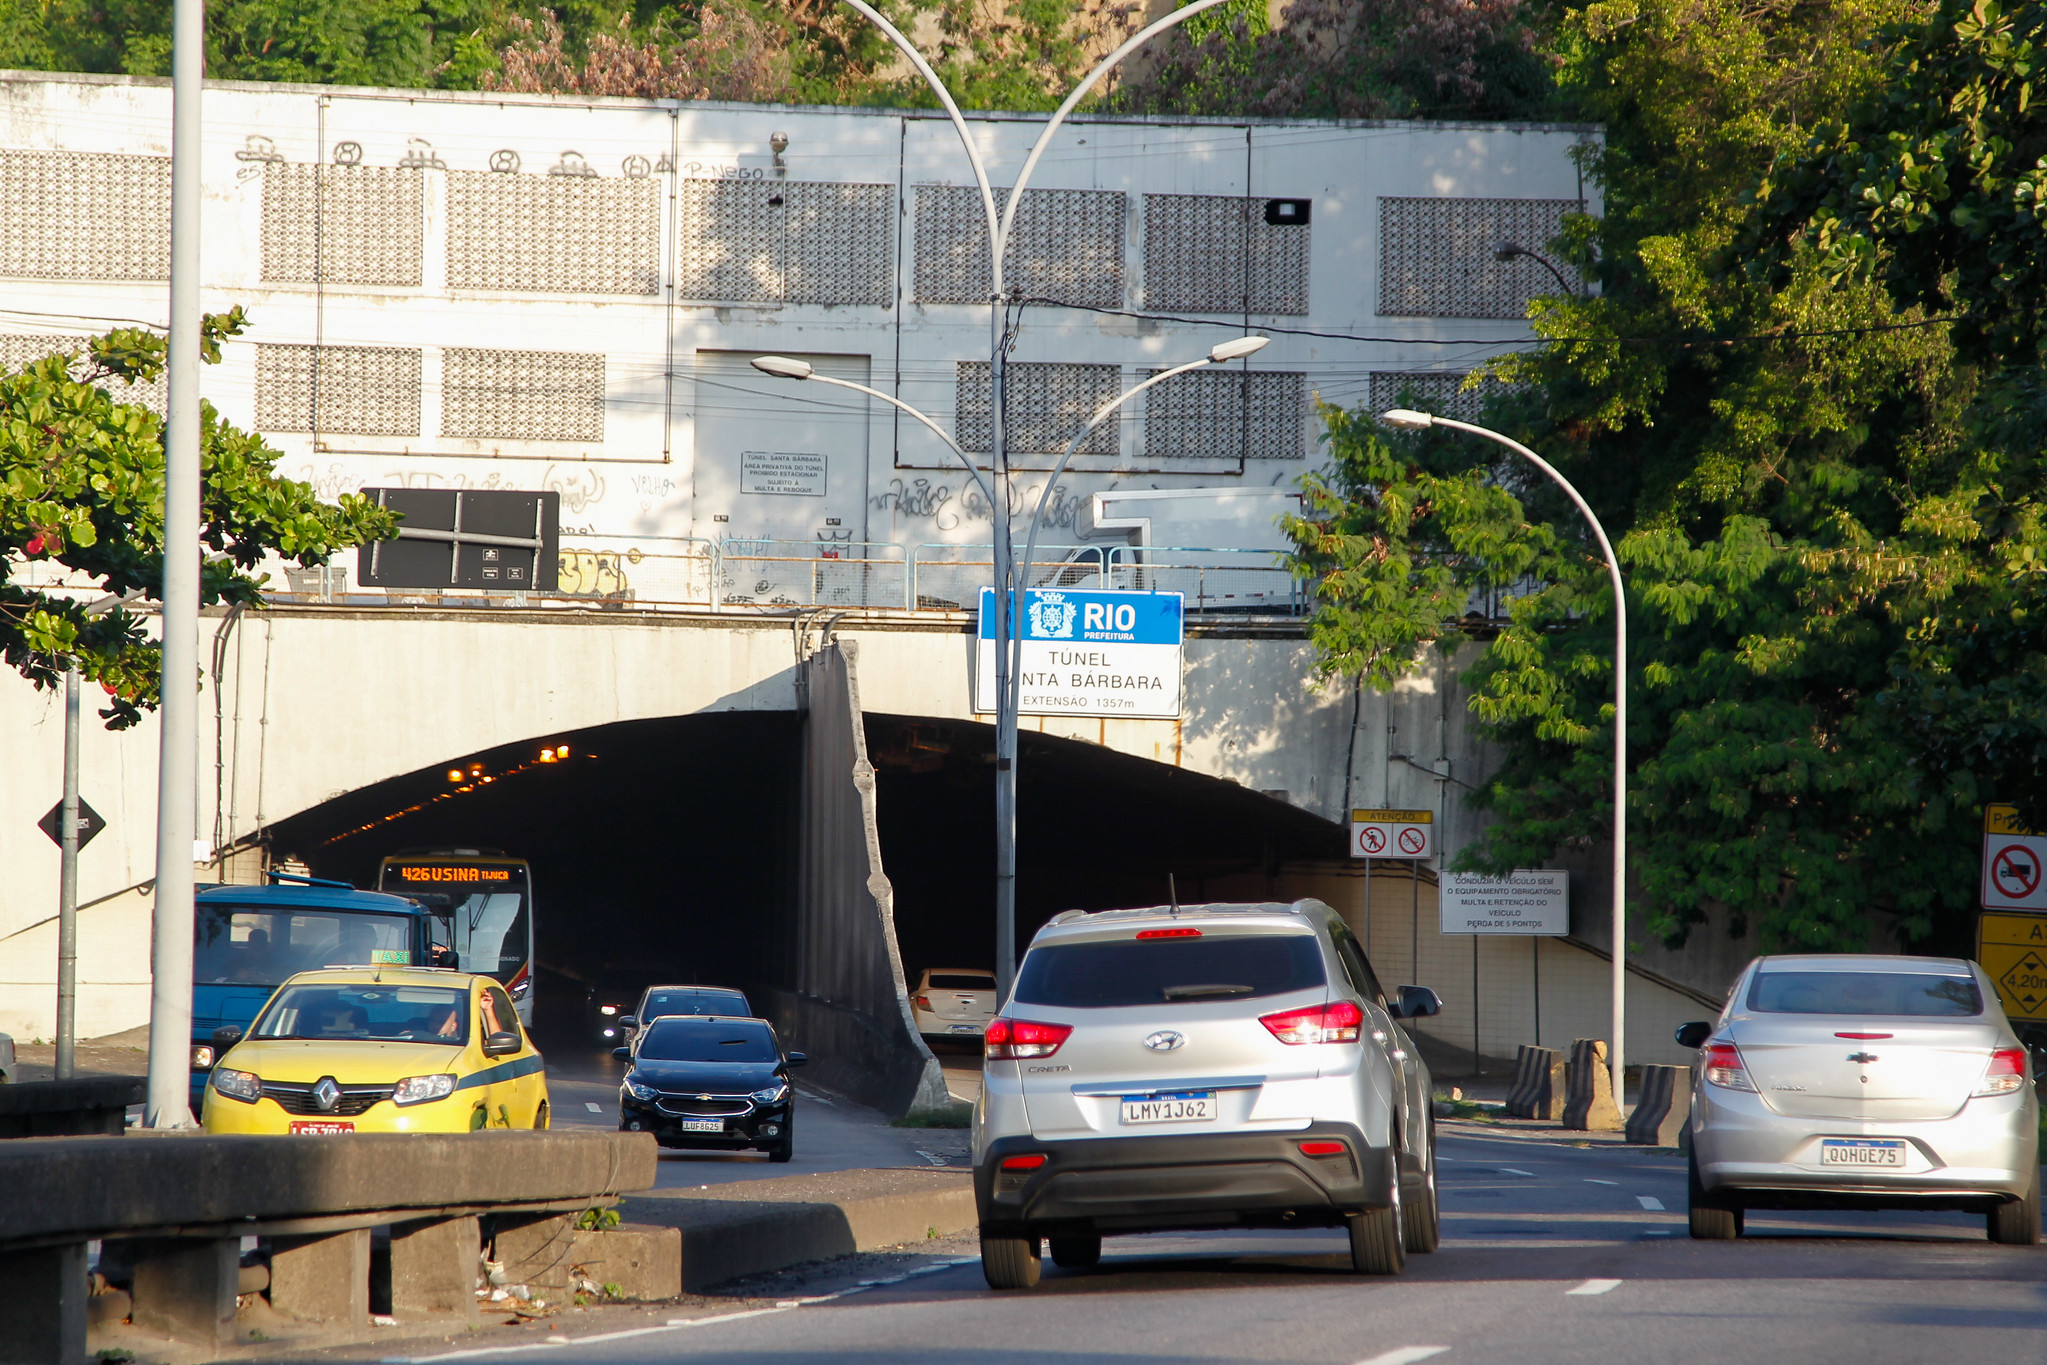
1408	834
2013	861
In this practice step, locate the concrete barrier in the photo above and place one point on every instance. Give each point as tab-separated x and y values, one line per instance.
73	1108
1539	1084
1662	1108
171	1210
1589	1104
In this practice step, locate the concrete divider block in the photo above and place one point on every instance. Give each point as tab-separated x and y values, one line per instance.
554	1257
1540	1084
1589	1104
1663	1107
185	1287
433	1268
323	1279
45	1291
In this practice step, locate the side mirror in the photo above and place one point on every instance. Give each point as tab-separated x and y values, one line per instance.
1416	1002
624	1054
499	1044
1693	1035
225	1037
799	1059
628	1021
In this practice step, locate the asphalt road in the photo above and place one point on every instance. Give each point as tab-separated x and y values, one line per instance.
1552	1253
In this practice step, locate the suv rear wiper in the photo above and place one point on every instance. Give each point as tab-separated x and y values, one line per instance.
1197	992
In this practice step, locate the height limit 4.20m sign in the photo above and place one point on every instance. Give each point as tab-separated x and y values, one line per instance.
1088	653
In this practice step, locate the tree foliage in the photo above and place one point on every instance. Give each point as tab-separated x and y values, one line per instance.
81	504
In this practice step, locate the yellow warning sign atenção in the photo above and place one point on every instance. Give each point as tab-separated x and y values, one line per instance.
2013	950
1392	817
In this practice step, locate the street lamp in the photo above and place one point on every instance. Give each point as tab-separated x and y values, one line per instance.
1404	419
999	224
1507	251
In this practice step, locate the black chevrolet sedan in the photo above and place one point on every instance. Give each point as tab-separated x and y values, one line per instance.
710	1082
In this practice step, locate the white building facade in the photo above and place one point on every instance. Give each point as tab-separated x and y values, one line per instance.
456	290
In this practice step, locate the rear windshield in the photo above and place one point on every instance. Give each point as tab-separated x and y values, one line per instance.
663	1003
708	1040
1899	993
959	981
1101	975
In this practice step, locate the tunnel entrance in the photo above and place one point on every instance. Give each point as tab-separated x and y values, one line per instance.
1096	829
660	848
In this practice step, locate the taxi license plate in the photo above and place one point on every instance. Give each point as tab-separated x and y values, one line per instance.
701	1125
322	1126
1864	1152
1188	1106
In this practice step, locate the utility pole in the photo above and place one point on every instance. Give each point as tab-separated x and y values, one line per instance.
67	890
170	958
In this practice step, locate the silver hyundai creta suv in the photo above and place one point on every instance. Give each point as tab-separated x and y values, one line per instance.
1203	1066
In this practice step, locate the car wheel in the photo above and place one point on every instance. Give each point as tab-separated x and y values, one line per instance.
1077	1252
1424	1221
1010	1262
540	1116
1378	1237
2018	1222
1714	1217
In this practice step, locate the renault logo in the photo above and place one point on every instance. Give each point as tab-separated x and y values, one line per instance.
326	1094
1165	1040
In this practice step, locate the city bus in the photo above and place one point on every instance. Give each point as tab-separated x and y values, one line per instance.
480	904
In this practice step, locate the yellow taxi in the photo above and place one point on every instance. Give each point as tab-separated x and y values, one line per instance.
379	1050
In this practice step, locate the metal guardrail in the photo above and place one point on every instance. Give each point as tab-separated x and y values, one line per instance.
950	577
807	573
1210	579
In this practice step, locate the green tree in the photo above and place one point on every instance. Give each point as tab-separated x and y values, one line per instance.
81	502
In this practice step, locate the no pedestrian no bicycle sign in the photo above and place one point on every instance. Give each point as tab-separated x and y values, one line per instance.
1406	834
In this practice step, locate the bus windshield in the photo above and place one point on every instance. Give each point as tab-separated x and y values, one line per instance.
261	945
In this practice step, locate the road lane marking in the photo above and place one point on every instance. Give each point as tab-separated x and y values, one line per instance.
1594	1287
1590	1181
1650	1202
591	1107
548	1343
1405	1355
1509	1170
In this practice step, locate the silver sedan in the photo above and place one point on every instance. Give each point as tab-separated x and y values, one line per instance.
1863	1082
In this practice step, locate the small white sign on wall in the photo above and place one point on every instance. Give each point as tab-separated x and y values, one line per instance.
1532	901
787	472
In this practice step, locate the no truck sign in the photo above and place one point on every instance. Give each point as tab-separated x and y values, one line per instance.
2013	861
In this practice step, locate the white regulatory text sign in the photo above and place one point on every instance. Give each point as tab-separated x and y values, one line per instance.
1532	901
787	472
1088	653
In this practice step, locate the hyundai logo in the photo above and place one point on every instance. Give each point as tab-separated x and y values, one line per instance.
326	1094
1165	1040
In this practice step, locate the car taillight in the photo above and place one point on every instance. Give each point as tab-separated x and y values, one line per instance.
1336	1022
1321	1148
923	1002
1010	1040
1169	933
1029	1162
1723	1068
2006	1072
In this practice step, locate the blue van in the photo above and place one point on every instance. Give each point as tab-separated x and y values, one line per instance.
248	939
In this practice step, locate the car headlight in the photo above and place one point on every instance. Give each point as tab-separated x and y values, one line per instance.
237	1085
420	1089
202	1057
607	1009
639	1091
773	1094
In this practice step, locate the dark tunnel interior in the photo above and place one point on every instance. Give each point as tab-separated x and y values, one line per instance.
668	848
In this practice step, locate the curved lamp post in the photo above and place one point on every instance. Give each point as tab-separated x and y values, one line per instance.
1000	222
1404	419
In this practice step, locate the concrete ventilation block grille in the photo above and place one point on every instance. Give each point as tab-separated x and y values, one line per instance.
18	350
522	395
553	234
1438	392
1436	255
778	241
1227	415
1212	253
343	224
363	390
85	216
1047	405
1067	246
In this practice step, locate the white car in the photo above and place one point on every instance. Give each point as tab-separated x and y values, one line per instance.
953	1002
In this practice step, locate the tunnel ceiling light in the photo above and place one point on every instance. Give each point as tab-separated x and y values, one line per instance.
782	367
454	774
562	752
1237	348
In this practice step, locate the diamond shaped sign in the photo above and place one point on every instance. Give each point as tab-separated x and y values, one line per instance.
2026	982
89	823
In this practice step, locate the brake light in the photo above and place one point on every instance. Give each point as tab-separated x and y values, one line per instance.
1321	1149
1864	1037
1723	1068
1336	1022
1010	1040
2006	1072
1028	1162
923	1002
1169	933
